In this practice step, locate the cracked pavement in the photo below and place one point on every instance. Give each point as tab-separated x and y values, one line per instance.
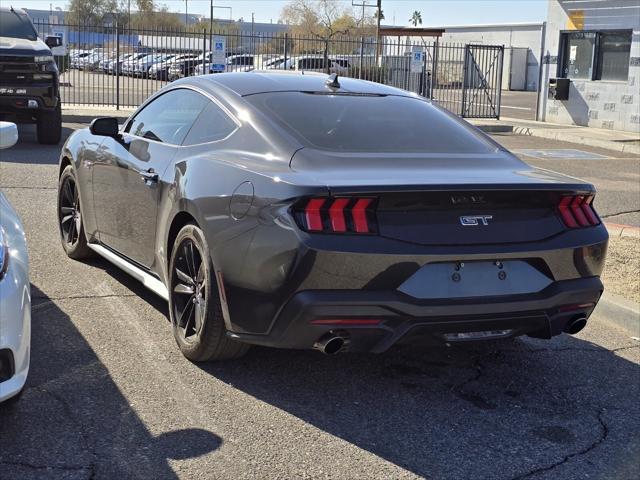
110	396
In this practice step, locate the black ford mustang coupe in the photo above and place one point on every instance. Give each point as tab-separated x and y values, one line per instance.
306	211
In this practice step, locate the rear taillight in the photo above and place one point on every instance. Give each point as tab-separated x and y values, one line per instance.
337	215
577	211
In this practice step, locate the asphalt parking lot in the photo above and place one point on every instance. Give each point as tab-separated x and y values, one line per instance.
110	396
616	175
87	87
515	104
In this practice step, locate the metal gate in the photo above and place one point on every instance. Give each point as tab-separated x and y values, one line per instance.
467	79
122	66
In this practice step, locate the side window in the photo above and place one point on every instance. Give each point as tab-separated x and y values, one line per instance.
169	117
311	64
318	64
213	124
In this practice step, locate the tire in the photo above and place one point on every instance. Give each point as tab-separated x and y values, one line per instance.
49	127
194	301
71	226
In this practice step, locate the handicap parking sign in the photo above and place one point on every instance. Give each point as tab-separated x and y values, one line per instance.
417	60
219	58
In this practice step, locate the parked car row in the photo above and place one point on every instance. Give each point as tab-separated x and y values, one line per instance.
171	66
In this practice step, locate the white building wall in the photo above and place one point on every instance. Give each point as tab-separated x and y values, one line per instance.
526	35
595	103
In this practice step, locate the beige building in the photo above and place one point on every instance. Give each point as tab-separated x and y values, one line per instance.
594	46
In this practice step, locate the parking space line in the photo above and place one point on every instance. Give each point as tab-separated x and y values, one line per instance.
560	154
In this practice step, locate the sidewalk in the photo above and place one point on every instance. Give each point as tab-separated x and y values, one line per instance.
596	137
82	114
626	142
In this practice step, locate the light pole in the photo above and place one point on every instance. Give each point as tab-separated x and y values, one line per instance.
377	32
364	5
253	39
186	17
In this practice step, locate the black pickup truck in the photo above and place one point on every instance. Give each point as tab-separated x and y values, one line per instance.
29	80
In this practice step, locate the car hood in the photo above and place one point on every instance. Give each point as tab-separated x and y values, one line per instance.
386	171
21	47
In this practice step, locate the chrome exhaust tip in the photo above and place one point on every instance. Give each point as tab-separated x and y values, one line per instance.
576	324
332	343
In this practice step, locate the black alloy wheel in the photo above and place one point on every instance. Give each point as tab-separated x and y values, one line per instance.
188	288
69	211
70	222
194	301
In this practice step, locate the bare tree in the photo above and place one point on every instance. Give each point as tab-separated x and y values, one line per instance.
323	19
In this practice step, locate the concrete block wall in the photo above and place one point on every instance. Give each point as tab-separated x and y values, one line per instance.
602	104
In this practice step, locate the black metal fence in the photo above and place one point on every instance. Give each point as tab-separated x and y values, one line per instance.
104	65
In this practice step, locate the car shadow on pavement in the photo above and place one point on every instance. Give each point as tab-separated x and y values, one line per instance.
492	410
73	421
521	408
126	280
23	152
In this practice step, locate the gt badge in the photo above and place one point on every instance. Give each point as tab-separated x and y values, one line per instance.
475	220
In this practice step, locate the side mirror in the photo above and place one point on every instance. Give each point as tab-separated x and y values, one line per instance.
53	42
105	127
8	135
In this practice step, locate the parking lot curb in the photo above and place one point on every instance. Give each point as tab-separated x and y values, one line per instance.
79	116
621	312
495	128
573	135
620	230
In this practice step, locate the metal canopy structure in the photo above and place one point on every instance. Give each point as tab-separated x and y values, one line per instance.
411	32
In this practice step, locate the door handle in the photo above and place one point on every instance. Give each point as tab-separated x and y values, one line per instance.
149	176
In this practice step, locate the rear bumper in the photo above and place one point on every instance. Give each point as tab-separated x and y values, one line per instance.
401	318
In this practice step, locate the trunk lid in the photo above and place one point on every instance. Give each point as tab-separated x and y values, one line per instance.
448	199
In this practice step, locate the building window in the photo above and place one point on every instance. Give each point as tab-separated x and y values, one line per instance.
579	55
600	55
613	56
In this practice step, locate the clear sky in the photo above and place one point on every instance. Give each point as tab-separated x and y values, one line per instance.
434	12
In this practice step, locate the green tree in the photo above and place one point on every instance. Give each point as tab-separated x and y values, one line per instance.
89	12
151	15
416	18
145	6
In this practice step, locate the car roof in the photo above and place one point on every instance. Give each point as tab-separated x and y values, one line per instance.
13	9
263	81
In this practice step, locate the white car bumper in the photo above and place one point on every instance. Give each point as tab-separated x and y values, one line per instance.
15	306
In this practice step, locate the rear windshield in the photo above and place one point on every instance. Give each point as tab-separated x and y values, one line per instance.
368	123
15	25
